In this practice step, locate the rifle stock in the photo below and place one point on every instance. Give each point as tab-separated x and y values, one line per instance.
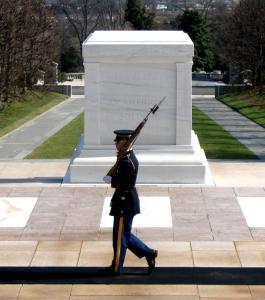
113	169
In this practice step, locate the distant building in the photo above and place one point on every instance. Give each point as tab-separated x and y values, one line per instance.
51	1
161	7
174	5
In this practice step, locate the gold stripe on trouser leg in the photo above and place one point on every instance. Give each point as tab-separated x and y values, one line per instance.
118	248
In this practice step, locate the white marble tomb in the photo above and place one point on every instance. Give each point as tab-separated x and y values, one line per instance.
126	73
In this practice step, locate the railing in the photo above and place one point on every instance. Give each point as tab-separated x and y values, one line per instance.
230	88
75	76
207	76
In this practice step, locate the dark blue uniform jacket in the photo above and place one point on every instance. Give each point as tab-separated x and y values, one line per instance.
125	200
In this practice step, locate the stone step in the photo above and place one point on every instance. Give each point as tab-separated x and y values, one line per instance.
99	254
136	292
229	255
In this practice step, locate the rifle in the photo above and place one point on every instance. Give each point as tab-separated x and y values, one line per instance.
131	141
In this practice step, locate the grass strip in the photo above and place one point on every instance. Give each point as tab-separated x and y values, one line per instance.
217	142
22	110
61	144
248	103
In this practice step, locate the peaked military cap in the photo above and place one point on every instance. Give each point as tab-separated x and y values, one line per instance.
122	133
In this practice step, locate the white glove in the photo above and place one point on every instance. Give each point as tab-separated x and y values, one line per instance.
107	179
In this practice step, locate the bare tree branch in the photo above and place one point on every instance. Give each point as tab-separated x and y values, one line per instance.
82	16
28	43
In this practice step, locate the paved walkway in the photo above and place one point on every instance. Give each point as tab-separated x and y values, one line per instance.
51	172
209	228
22	141
184	257
209	231
74	213
247	132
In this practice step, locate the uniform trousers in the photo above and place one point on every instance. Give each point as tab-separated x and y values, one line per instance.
123	239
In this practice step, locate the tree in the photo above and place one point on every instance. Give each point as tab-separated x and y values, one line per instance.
217	19
28	44
138	16
70	61
206	7
111	14
244	39
194	25
209	8
79	18
82	16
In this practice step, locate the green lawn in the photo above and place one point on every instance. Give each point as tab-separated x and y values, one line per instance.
24	109
216	142
61	144
248	103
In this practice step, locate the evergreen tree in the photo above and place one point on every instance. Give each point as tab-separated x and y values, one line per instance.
138	16
194	25
71	61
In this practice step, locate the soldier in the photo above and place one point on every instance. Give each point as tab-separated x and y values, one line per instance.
125	205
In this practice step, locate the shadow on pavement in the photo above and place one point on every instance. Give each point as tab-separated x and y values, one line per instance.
134	275
32	180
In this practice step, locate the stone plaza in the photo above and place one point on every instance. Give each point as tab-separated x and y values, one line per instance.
210	228
210	235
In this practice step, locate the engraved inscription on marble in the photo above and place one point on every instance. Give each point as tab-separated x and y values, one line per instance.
128	91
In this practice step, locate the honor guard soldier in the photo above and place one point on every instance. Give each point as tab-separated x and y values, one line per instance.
125	205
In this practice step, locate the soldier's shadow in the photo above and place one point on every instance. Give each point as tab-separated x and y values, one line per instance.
133	275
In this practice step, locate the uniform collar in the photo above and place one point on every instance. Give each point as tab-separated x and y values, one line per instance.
127	153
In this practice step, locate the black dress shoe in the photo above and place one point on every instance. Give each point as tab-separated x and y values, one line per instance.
151	260
108	271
